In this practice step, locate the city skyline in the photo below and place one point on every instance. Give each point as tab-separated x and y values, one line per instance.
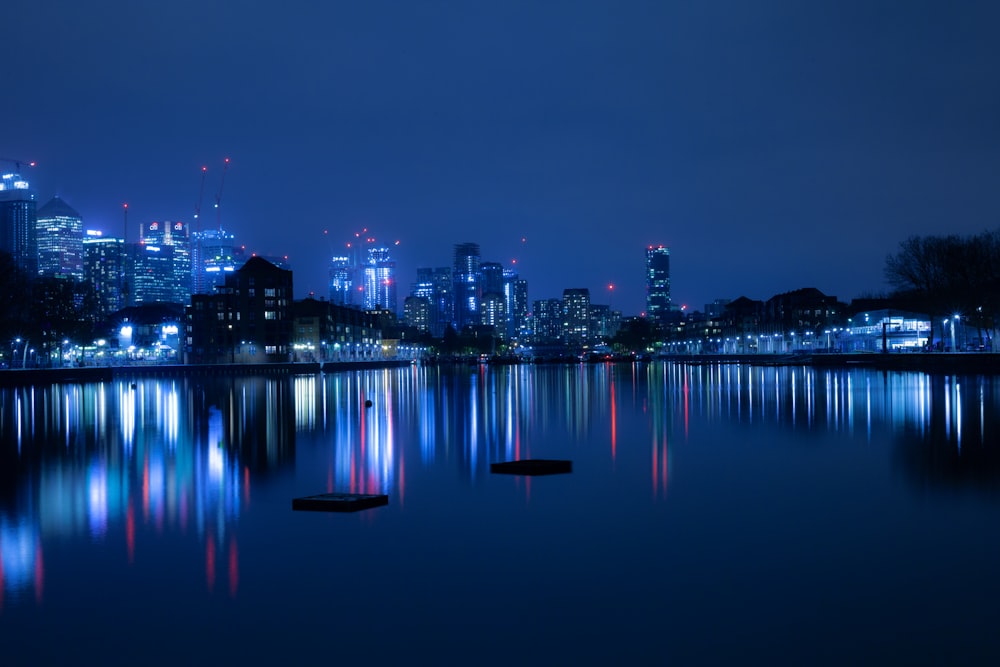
770	146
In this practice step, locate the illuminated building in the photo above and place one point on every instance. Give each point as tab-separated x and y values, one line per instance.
658	284
576	316
60	240
380	281
248	320
18	233
161	264
341	281
436	286
515	293
417	312
494	304
467	288
104	270
214	255
548	317
327	331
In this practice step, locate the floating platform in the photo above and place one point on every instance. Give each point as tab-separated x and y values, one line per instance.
532	467
339	502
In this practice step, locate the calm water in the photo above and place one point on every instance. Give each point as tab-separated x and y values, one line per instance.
714	515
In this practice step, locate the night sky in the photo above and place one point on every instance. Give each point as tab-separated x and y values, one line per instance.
771	145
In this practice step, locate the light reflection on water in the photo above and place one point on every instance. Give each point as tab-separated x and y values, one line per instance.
135	465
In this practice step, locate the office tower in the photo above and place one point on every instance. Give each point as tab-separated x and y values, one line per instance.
658	284
104	269
436	286
494	305
18	233
59	232
149	274
515	293
576	316
548	316
380	281
467	285
214	255
341	281
162	272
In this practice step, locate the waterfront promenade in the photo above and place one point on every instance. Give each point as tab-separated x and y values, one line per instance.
109	373
974	363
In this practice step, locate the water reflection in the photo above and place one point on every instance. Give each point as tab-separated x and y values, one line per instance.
136	460
133	463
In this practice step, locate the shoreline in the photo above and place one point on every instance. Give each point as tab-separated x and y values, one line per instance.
947	363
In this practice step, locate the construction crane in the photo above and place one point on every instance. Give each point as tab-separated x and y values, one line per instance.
218	197
17	163
201	195
19	183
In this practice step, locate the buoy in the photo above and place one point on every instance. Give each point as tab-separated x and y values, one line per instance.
368	403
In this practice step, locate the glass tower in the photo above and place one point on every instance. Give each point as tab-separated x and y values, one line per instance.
18	221
468	285
60	240
658	283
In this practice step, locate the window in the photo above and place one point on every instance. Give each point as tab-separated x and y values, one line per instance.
270	349
269	291
269	315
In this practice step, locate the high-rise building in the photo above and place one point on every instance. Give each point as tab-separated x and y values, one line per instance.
494	304
18	232
162	271
341	281
515	293
149	274
436	286
467	279
658	284
548	317
417	312
576	316
380	281
104	269
59	231
214	255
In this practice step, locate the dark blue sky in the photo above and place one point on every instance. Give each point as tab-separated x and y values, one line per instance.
771	145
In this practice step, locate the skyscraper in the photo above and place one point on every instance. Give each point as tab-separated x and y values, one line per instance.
214	255
341	281
658	284
162	272
516	302
59	231
494	306
380	281
104	269
18	233
576	316
467	281
436	286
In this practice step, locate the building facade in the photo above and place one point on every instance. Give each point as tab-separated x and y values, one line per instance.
59	231
104	262
380	281
18	221
248	320
658	284
576	316
467	289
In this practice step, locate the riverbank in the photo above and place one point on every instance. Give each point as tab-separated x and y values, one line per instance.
37	376
976	363
937	363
